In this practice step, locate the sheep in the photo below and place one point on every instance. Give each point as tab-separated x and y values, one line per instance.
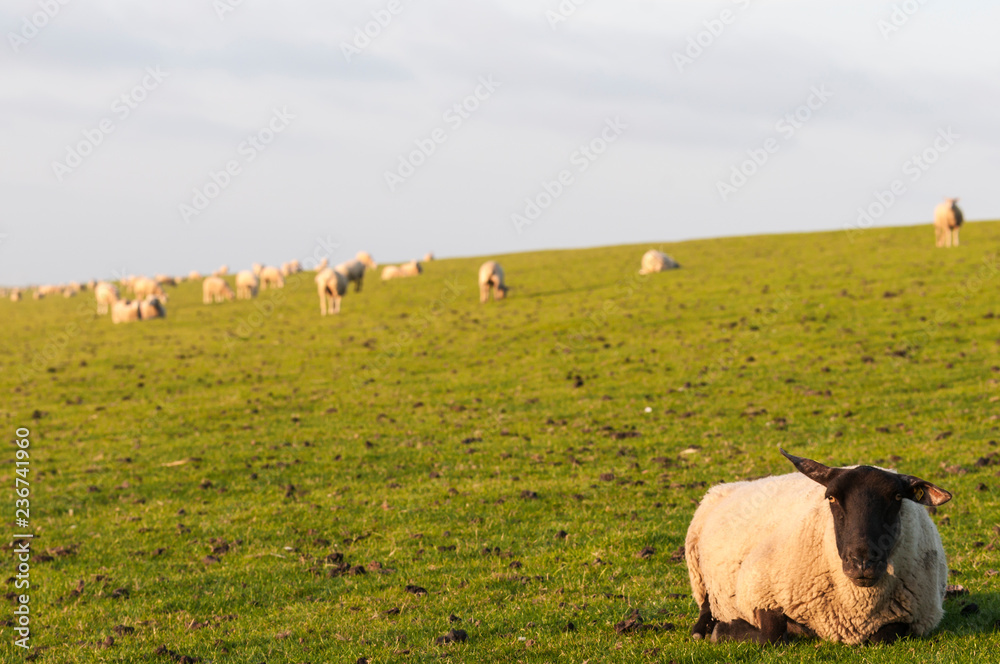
246	285
125	311
221	272
491	278
322	265
144	287
15	295
271	277
354	269
657	261
106	295
38	294
844	554
165	280
256	267
194	275
410	269
215	289
331	286
428	257
947	220
151	308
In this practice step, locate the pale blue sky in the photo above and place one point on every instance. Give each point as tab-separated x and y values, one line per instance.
555	85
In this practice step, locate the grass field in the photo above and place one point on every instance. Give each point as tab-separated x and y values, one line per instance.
250	482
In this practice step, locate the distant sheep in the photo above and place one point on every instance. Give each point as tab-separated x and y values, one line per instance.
271	277
491	279
256	267
354	270
15	295
215	289
428	257
144	287
657	261
194	275
845	554
165	280
246	285
106	295
331	286
411	269
947	220
221	272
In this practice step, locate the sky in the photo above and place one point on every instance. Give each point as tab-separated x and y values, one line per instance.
146	138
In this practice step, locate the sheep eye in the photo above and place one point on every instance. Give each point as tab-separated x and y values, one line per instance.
899	496
832	499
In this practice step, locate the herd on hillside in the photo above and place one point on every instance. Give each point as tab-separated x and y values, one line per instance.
149	299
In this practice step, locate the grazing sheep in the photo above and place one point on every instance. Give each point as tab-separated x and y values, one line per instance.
125	311
37	295
331	286
246	285
845	554
221	272
428	257
411	269
106	295
354	269
151	308
165	280
215	289
91	284
657	261
194	275
143	287
15	295
256	267
271	277
491	278
947	220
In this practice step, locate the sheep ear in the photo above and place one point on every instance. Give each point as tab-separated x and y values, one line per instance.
923	492
814	470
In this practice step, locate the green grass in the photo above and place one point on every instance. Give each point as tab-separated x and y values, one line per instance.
449	442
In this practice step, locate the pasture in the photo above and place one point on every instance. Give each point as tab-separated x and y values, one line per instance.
249	481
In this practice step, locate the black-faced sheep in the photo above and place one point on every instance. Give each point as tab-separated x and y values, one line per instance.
656	261
844	554
947	220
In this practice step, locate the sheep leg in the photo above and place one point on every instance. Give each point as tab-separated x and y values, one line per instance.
889	633
773	628
706	623
954	241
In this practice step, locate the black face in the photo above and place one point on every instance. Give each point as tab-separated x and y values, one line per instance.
865	504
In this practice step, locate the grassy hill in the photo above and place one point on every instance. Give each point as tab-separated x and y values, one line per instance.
251	482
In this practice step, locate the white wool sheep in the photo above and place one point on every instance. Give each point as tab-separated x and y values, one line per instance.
428	257
411	269
15	295
37	295
657	261
221	272
106	295
947	220
256	267
125	311
144	287
246	285
215	289
491	279
151	308
194	275
354	270
271	277
769	557
331	286
165	280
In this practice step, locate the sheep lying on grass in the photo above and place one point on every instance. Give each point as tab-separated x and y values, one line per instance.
215	289
411	269
947	220
491	279
845	554
657	261
246	285
331	286
130	311
354	270
144	287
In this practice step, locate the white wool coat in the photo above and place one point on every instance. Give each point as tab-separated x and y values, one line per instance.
656	261
770	544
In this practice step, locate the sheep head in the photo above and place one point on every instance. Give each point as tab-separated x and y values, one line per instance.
865	503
